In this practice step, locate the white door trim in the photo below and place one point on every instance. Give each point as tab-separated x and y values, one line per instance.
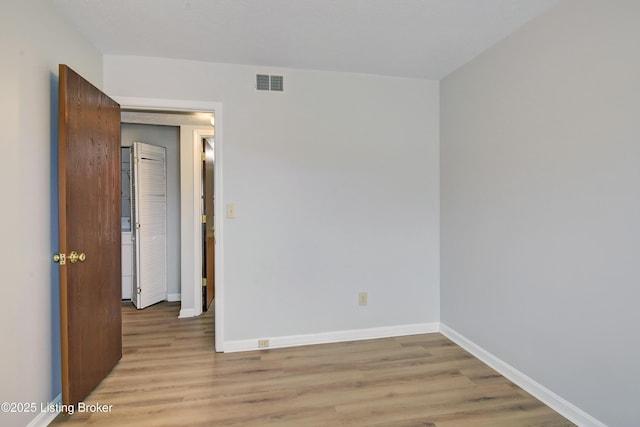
192	243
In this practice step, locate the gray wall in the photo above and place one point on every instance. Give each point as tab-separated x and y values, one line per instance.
34	39
168	137
540	204
336	186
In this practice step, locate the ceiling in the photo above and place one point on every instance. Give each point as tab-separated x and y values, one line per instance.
405	38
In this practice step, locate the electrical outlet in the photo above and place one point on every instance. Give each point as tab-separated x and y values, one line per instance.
363	299
263	343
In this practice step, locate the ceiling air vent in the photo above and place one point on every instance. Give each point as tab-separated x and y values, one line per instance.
262	81
267	82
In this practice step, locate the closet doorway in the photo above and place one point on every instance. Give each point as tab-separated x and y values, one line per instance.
150	213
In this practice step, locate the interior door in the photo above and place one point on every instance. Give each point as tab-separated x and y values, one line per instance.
150	213
89	215
209	258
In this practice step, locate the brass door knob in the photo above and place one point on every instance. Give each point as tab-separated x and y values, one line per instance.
75	257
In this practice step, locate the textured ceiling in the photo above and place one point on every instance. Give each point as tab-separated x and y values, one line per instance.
405	38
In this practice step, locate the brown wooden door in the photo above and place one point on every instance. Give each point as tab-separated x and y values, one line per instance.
209	258
89	196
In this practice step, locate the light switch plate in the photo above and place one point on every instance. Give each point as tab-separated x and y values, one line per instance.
231	210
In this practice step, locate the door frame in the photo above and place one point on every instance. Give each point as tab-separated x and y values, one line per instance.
191	217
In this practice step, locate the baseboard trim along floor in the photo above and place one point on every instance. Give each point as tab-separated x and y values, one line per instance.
330	337
540	392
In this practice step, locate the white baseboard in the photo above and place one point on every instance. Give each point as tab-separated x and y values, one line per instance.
330	337
174	297
187	312
45	418
549	398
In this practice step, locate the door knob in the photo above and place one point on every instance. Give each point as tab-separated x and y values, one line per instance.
75	257
60	259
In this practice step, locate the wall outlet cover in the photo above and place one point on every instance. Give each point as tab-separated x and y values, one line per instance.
363	299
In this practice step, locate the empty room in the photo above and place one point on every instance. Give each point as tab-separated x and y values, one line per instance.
425	213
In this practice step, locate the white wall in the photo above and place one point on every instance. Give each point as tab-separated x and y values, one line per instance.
168	137
34	38
336	186
540	201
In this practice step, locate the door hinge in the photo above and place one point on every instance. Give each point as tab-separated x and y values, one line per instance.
204	219
203	156
137	225
204	282
139	290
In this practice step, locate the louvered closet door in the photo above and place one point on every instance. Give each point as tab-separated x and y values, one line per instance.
150	212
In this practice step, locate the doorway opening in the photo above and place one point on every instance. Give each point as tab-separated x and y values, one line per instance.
208	220
194	121
150	188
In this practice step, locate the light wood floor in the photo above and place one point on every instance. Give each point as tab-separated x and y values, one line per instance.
170	375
